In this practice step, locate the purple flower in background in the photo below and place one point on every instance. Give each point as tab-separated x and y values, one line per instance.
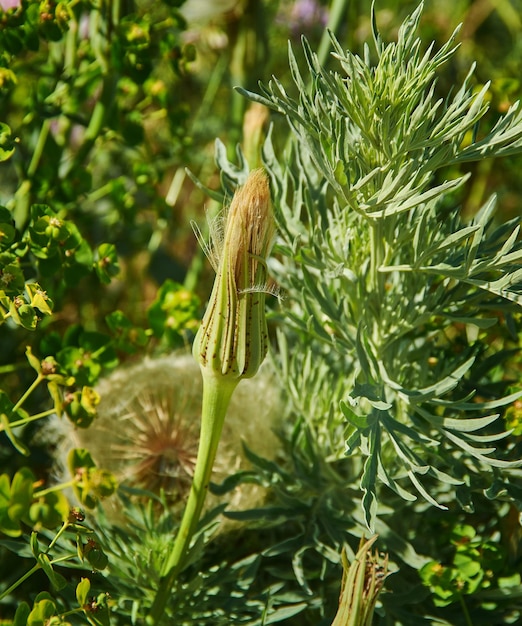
308	13
83	26
303	16
9	4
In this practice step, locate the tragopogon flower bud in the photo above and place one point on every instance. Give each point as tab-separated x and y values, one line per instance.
363	580
232	339
230	344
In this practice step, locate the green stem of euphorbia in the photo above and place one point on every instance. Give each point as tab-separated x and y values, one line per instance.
18	582
217	392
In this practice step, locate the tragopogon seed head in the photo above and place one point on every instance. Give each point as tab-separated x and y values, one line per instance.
232	339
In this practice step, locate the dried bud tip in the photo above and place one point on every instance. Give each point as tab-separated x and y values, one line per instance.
232	339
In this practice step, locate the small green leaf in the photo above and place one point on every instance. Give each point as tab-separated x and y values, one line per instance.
35	545
49	510
92	483
39	299
17	443
107	262
98	560
102	483
56	395
99	614
12	279
23	314
359	421
462	534
6	139
7	228
82	591
468	566
34	362
372	394
81	406
22	614
79	460
85	354
505	582
174	314
369	478
127	336
57	580
339	174
44	609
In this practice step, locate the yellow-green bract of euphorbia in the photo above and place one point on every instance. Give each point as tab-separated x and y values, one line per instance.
232	339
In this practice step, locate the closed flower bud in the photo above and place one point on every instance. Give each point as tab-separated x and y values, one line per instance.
363	580
232	339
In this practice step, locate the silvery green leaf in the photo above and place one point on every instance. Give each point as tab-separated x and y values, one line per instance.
480	322
490	438
393	425
438	389
421	489
482	454
469	425
444	477
386	282
393	484
447	242
359	421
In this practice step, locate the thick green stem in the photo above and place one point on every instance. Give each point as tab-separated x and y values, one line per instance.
216	397
217	392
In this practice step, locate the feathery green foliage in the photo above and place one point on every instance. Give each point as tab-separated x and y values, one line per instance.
379	267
